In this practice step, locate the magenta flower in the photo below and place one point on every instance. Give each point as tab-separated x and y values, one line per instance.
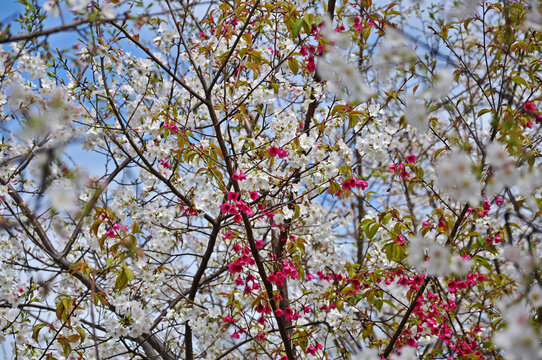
260	337
228	209
282	153
232	196
411	159
228	319
529	107
273	151
238	177
244	208
311	66
254	195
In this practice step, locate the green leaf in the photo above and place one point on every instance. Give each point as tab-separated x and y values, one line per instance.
519	80
66	347
297	27
294	65
82	333
483	111
297	211
385	219
334	188
371	230
73	338
36	330
125	276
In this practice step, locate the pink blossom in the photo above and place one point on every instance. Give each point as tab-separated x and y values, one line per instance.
165	163
235	267
228	319
232	196
529	107
173	128
238	177
320	49
244	208
276	151
357	24
260	337
282	153
277	278
311	66
313	349
228	209
411	159
110	233
273	151
487	205
362	184
291	315
254	195
353	182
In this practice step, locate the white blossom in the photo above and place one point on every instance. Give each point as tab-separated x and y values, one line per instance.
455	177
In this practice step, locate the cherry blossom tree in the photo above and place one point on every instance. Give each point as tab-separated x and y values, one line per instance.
271	180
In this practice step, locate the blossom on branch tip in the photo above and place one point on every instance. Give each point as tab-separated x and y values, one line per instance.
529	107
254	195
411	159
244	208
276	151
228	319
232	196
238	176
228	209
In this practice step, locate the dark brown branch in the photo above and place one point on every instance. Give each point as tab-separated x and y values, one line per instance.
50	31
250	237
195	284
